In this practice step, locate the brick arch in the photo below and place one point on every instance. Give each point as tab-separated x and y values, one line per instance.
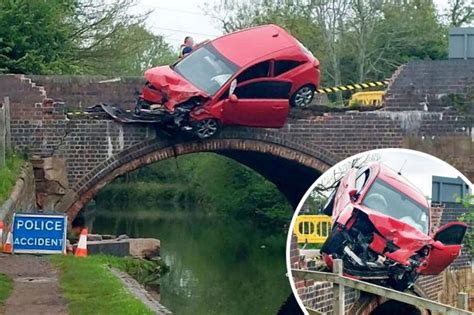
265	147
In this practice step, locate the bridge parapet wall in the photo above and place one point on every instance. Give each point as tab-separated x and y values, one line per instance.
421	85
40	127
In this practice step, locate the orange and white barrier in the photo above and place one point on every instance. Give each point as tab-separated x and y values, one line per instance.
1	234
7	248
81	250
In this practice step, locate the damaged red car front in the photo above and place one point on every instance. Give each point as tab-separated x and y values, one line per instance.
246	78
381	229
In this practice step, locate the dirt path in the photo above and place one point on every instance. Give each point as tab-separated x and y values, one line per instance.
36	289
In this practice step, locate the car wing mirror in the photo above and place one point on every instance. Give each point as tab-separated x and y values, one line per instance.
233	98
232	87
353	194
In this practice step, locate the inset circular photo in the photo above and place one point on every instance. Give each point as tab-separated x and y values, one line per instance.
379	223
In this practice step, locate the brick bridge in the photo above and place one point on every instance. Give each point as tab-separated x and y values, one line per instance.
98	150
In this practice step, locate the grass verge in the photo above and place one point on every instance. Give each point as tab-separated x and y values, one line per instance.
8	175
90	288
6	287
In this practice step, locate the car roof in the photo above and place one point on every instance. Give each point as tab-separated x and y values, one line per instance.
399	182
245	46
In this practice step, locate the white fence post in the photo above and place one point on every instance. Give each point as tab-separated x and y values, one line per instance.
463	301
338	290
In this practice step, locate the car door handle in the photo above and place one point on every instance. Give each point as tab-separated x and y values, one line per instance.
278	107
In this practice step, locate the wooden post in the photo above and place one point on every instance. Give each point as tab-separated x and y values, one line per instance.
8	136
2	135
463	301
338	290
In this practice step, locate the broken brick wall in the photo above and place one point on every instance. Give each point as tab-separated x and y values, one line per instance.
421	85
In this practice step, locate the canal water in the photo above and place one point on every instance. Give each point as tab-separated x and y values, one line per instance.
217	265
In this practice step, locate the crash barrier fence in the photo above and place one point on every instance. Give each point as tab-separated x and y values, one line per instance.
350	87
371	98
5	135
312	229
340	281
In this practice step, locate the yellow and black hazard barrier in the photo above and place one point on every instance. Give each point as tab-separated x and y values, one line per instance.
351	87
312	228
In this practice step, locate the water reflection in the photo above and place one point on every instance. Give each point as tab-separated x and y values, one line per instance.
218	265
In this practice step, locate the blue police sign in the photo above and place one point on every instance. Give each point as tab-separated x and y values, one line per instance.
39	233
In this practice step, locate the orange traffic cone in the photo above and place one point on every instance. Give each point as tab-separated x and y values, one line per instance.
1	234
7	248
81	250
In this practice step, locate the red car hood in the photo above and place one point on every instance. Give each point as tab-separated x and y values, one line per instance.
174	87
406	237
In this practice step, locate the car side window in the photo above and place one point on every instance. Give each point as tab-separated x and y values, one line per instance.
264	90
282	66
362	179
260	70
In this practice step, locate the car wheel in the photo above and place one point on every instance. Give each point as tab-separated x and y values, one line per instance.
303	97
206	128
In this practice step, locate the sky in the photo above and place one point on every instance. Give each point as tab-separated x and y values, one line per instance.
175	19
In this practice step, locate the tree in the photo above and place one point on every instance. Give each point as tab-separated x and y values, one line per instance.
460	12
330	17
355	40
77	36
34	36
134	48
363	32
110	39
468	217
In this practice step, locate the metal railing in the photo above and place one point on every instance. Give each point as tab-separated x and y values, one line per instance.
313	229
340	281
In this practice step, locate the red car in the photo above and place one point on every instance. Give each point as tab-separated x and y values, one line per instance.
246	78
382	229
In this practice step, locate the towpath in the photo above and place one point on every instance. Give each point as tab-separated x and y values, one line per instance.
36	288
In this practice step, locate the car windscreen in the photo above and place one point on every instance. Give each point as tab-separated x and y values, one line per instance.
385	199
206	68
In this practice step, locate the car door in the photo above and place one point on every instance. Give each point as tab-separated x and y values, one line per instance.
446	249
258	103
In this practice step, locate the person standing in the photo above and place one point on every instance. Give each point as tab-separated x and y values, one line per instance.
187	47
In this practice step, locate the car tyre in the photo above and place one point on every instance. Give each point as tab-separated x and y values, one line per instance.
206	128
303	97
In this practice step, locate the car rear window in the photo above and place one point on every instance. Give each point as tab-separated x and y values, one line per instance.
260	70
282	66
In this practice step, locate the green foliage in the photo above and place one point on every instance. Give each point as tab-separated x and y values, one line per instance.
355	41
6	287
34	36
148	193
9	174
220	184
458	101
233	189
90	288
468	217
76	37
